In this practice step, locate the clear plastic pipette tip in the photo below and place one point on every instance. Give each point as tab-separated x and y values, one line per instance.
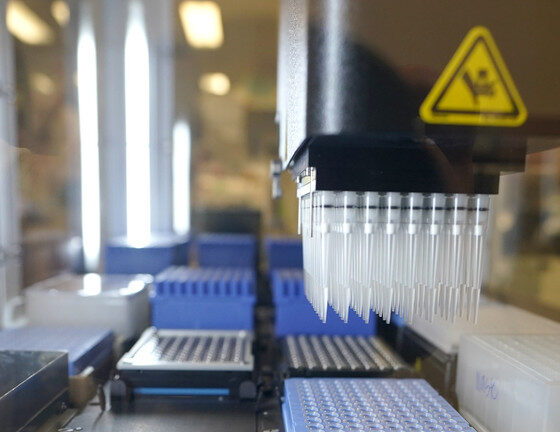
411	254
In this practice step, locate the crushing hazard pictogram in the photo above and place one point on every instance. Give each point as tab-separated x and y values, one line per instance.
475	88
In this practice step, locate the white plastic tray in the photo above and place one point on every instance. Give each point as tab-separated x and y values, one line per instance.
118	302
510	383
493	318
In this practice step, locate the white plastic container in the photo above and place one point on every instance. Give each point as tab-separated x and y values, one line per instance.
510	383
493	318
119	302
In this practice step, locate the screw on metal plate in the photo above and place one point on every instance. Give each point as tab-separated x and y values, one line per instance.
62	407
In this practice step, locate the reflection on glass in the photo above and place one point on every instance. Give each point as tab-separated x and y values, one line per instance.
202	24
26	25
87	107
181	177
216	83
60	12
137	106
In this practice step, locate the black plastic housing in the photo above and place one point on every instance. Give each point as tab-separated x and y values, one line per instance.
353	75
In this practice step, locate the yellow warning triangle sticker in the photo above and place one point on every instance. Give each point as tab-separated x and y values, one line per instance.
475	88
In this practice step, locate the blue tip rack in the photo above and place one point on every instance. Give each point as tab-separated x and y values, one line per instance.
284	252
295	315
227	250
204	298
365	404
85	346
160	252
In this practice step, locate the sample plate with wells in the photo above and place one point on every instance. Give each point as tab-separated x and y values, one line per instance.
323	355
191	350
366	404
188	363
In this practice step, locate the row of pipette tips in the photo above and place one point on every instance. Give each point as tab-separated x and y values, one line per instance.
411	254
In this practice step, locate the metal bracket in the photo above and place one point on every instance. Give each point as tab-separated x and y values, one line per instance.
306	182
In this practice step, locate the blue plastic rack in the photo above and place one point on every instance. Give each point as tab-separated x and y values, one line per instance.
365	404
284	252
295	315
204	298
85	346
162	251
227	250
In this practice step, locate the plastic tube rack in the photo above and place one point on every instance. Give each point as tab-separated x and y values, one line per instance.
204	298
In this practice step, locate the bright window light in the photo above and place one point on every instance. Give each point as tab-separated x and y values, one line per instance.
181	177
60	12
26	25
214	83
89	148
202	24
137	117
